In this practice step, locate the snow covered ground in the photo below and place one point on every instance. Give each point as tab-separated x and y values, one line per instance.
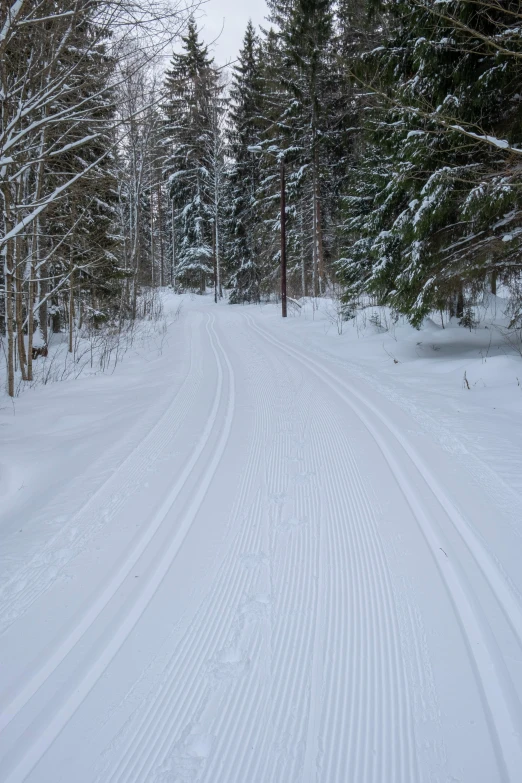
267	552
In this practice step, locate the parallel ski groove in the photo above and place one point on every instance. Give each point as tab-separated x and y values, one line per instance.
491	675
256	764
366	555
132	467
167	716
150	586
160	435
222	614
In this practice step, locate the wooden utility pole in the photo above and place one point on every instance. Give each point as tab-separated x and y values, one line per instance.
214	258
283	239
174	260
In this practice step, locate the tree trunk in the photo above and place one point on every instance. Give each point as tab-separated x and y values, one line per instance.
8	274
19	315
136	260
315	271
460	303
43	289
173	232
303	260
35	269
152	237
218	261
320	248
55	317
71	311
214	259
160	232
30	310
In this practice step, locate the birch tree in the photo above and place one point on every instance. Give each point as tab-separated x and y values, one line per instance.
58	79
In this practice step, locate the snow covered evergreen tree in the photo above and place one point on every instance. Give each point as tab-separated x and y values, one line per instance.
192	86
310	127
244	214
437	207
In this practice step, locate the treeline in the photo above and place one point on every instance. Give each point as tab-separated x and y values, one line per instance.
398	122
400	126
78	169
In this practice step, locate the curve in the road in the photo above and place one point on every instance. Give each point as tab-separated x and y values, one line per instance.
31	755
148	740
102	506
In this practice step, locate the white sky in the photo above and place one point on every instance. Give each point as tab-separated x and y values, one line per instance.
233	16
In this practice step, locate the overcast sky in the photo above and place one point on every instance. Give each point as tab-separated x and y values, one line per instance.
232	16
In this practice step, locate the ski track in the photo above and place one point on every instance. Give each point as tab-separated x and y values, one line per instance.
499	473
35	577
110	497
502	707
289	602
30	756
502	588
381	690
148	743
281	696
303	660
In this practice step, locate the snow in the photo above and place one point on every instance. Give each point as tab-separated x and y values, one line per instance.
267	550
501	144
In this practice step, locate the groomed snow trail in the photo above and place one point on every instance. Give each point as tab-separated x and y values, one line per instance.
273	586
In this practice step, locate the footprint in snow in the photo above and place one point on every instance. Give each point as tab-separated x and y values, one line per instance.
229	663
291	524
57	557
253	560
61	519
279	498
303	478
256	606
187	760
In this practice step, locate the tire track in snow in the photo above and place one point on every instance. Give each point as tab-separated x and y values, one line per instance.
34	578
56	723
148	743
502	709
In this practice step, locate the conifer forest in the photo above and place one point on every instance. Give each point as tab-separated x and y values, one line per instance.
398	124
260	391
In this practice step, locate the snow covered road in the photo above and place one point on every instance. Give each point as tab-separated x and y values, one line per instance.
278	579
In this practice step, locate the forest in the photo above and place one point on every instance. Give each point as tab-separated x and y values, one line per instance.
131	161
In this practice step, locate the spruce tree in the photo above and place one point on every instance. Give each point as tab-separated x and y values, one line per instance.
244	214
311	122
437	207
191	85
